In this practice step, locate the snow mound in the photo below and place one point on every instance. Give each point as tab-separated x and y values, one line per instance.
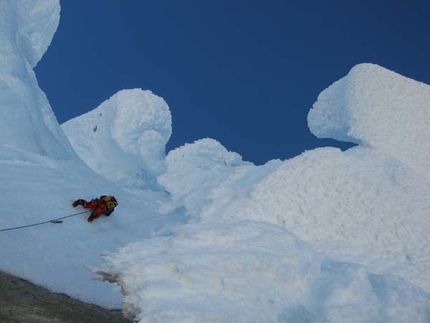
27	121
379	108
124	138
247	271
359	206
193	170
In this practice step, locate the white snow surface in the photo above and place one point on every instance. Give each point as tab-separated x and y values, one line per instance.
378	108
124	139
27	122
200	235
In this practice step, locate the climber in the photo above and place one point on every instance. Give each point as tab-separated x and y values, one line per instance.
103	205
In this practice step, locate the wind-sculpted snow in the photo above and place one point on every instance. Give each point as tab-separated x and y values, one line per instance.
365	206
247	271
360	206
27	121
28	27
193	170
124	139
376	107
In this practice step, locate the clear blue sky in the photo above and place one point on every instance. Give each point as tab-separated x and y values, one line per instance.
243	72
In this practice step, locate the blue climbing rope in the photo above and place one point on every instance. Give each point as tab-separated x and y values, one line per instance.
57	220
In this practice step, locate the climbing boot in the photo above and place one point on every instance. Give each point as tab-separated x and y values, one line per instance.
78	202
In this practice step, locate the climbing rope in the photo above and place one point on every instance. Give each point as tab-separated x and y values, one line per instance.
57	220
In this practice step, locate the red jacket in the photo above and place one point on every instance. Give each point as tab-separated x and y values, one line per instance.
98	205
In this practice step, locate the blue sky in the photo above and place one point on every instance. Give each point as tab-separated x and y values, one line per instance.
243	72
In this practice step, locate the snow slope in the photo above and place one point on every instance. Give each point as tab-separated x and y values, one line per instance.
201	235
360	218
40	175
37	189
250	271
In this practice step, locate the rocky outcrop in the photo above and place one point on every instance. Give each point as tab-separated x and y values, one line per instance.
23	302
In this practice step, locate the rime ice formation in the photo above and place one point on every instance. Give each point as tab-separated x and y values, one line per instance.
378	108
365	210
27	121
248	271
193	170
124	139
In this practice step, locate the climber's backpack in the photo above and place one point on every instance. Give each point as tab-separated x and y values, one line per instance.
110	201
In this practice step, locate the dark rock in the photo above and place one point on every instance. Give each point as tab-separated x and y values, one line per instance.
21	301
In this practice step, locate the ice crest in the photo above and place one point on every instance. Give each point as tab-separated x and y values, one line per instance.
124	139
375	107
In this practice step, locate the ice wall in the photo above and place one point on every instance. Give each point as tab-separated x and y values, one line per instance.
27	122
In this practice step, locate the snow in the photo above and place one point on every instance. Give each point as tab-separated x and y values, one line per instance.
27	122
360	206
200	235
378	108
249	271
124	139
193	170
